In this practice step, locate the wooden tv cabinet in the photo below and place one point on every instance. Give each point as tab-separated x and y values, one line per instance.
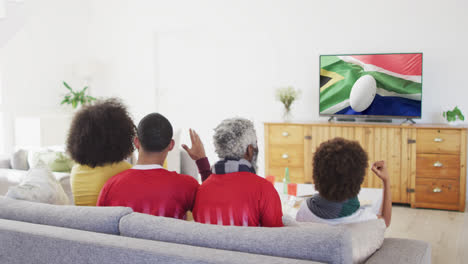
427	163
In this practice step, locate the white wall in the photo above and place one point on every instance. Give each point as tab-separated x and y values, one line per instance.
123	46
198	62
208	60
201	61
39	57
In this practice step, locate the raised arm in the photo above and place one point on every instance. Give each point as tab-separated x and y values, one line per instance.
197	153
380	169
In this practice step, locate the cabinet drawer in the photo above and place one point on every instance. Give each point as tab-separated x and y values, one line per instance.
287	156
437	191
438	166
287	134
438	141
295	174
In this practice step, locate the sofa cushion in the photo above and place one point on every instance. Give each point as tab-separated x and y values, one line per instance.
315	242
19	160
366	237
10	177
96	219
39	185
402	251
5	161
31	243
56	161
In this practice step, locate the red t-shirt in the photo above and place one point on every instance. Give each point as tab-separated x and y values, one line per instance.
240	199
154	191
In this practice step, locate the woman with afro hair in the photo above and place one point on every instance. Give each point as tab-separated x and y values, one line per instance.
99	140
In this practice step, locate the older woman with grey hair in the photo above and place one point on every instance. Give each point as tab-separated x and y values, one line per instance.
234	194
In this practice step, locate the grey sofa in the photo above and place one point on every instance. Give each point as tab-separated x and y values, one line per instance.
42	233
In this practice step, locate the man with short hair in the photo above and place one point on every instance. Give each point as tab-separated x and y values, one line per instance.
149	188
234	194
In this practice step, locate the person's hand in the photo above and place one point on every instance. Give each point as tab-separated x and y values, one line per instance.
380	169
197	151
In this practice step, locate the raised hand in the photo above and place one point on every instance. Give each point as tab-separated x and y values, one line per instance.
380	169
197	151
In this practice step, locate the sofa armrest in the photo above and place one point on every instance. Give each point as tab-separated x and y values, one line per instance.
397	250
5	162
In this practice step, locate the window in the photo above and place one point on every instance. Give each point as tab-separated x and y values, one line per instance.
2	8
2	119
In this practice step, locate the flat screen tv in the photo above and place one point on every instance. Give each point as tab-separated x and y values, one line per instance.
371	85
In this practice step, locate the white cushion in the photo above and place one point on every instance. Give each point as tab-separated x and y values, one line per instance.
53	157
39	185
19	160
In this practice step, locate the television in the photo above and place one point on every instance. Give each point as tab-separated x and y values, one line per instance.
371	85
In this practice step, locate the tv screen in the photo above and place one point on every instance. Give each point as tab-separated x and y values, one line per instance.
371	85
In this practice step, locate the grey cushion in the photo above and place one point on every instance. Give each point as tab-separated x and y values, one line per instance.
402	251
97	219
315	242
30	243
19	160
5	162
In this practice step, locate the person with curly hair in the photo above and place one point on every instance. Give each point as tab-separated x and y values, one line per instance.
339	167
149	188
99	140
234	194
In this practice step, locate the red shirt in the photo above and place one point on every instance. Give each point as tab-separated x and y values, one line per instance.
239	198
154	191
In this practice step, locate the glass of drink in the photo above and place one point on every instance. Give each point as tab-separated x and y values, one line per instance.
292	189
271	179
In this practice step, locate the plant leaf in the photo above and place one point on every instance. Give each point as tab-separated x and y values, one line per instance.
67	86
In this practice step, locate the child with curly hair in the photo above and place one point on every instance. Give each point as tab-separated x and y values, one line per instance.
339	169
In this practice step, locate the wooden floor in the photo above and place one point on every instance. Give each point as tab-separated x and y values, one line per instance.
446	231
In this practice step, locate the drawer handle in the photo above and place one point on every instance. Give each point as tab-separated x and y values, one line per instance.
285	134
437	190
438	164
285	156
438	140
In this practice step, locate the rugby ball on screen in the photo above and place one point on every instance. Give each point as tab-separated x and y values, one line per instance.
363	93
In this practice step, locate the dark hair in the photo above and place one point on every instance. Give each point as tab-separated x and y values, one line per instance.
154	132
101	134
339	169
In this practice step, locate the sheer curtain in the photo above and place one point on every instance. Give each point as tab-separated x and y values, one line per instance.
2	8
2	119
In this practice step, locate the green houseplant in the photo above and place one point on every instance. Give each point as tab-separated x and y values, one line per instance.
287	96
453	115
75	98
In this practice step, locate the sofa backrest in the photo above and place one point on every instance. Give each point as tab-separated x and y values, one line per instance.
315	242
96	219
31	243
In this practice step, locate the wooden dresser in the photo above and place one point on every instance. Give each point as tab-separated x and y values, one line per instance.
427	163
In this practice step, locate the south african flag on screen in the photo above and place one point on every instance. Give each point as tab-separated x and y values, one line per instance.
398	79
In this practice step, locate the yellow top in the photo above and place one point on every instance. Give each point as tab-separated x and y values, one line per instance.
87	182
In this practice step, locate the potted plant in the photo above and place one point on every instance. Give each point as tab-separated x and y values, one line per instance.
287	96
454	117
76	98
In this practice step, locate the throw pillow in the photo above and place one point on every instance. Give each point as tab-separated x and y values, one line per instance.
61	163
57	161
39	156
39	185
19	160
